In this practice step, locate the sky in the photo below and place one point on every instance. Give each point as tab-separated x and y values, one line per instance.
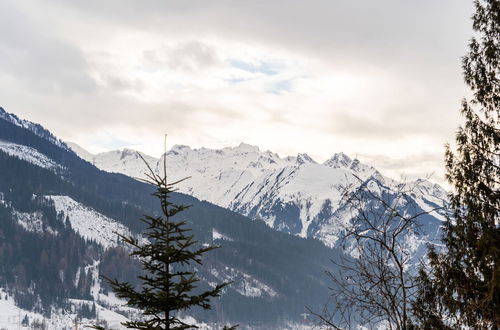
377	80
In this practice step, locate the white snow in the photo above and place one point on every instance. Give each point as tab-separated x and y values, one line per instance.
218	236
89	223
28	154
431	210
108	308
30	221
243	283
11	316
82	153
124	161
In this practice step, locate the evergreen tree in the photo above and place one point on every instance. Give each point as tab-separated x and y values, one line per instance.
461	287
167	258
25	322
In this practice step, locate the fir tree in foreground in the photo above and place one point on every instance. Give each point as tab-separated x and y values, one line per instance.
461	287
168	281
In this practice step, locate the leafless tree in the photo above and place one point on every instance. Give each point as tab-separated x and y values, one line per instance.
373	283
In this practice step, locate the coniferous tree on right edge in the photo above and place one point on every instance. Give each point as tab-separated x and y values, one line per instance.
460	287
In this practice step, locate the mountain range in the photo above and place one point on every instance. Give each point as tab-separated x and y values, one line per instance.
276	219
293	194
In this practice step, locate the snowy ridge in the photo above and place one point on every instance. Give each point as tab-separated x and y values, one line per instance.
124	161
82	153
29	154
293	194
34	128
88	223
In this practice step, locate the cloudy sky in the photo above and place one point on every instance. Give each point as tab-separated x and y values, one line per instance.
380	80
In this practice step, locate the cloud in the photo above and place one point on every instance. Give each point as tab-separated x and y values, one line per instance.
381	79
38	62
186	56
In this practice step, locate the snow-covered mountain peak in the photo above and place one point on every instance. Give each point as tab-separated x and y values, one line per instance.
124	154
304	159
131	154
243	157
338	160
245	148
128	151
341	160
81	152
179	147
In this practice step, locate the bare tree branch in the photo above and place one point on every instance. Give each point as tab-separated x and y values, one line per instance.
374	286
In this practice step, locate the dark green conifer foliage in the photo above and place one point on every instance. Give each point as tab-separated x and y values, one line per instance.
25	322
168	283
462	284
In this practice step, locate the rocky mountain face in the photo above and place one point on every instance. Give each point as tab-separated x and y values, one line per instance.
294	194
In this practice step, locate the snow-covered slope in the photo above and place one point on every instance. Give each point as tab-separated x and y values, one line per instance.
293	194
28	154
124	161
82	153
88	223
12	316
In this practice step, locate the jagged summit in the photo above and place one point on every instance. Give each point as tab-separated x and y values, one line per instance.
338	160
244	147
181	147
304	159
341	160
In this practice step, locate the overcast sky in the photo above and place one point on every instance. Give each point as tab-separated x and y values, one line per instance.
380	80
